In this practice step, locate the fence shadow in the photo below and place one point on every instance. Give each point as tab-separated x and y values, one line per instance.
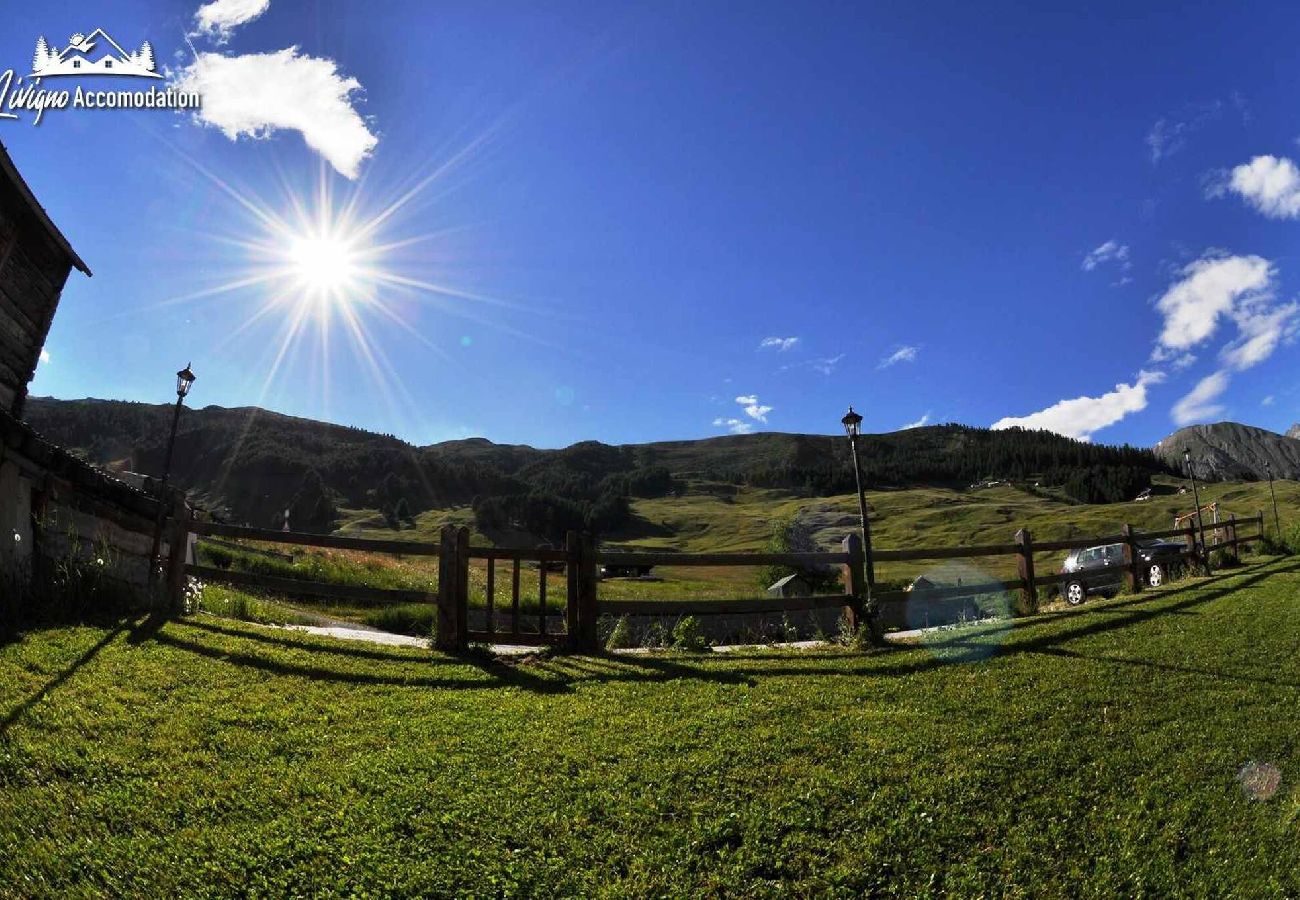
81	661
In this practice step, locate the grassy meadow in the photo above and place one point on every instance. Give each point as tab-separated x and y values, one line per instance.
1137	746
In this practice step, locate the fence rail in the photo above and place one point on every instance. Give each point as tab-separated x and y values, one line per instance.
580	560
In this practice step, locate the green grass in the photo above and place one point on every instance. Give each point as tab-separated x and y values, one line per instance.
1094	752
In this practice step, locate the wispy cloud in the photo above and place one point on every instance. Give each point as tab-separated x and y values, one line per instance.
1110	252
924	420
45	356
780	344
905	353
1170	133
1201	402
219	18
1268	401
823	364
1081	417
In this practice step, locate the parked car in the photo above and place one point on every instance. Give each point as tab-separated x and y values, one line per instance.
1100	569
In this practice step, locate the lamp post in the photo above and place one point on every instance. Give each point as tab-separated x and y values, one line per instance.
1277	522
852	423
1196	495
184	379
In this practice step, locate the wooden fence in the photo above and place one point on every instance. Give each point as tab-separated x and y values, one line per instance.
581	560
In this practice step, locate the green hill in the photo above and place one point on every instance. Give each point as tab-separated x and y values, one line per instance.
250	465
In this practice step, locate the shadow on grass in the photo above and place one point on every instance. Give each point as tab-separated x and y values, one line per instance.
335	661
271	653
16	713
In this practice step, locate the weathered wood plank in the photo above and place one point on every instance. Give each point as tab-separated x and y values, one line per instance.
521	555
948	552
332	541
620	558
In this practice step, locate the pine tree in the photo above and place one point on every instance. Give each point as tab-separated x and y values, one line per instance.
145	57
42	55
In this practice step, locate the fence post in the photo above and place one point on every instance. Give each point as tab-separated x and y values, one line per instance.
462	588
178	540
588	593
573	583
854	582
1132	561
1232	534
447	637
1025	566
1189	536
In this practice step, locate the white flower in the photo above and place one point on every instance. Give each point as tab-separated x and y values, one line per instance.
99	562
18	538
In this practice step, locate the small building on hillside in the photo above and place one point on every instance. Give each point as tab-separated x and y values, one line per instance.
791	586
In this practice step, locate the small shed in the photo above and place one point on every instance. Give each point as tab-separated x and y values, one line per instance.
791	586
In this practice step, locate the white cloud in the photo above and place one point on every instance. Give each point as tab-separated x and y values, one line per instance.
1268	401
924	420
905	353
257	94
1081	417
824	364
1259	332
1201	402
1111	251
780	343
1269	184
1210	288
735	426
755	410
220	17
45	356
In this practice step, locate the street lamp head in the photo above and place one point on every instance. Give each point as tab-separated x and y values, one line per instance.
184	378
852	423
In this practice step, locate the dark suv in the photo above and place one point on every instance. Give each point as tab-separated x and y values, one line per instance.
1100	570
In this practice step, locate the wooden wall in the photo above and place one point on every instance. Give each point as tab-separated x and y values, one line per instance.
33	270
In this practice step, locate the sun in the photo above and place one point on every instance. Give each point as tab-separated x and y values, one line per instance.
327	265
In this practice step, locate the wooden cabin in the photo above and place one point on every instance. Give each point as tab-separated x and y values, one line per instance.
35	261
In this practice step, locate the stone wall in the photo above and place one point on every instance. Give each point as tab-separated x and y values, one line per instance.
55	508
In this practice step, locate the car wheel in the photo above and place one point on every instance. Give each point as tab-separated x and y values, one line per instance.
1156	575
1075	593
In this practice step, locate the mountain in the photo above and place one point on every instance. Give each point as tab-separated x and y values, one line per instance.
1228	451
1294	431
250	465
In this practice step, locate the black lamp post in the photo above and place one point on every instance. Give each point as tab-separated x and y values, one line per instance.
184	379
1277	522
1196	495
852	423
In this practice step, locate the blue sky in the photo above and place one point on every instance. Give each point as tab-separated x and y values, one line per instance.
674	220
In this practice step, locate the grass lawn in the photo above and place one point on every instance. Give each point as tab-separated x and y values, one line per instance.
1094	752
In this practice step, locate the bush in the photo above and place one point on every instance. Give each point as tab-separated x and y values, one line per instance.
688	636
1225	558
